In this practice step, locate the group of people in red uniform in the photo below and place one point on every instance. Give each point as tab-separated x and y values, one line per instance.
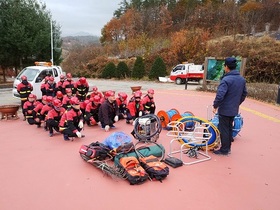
67	105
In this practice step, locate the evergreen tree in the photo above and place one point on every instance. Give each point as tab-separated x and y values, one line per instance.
122	70
25	33
138	70
158	69
109	71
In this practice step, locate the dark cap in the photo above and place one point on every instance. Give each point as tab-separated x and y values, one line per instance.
231	62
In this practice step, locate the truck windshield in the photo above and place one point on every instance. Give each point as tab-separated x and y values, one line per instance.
30	73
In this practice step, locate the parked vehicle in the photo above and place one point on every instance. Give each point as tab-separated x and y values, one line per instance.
35	75
188	71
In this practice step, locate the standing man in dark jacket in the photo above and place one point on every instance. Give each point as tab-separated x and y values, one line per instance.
24	89
230	94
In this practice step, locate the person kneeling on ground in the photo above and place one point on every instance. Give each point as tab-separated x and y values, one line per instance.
71	123
54	116
108	111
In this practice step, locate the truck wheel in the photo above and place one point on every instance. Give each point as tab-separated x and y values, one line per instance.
200	82
178	81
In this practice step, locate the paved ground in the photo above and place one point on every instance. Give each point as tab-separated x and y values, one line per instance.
39	172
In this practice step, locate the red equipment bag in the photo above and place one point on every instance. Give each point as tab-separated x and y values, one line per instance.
95	150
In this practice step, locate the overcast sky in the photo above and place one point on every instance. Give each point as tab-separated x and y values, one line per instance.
75	16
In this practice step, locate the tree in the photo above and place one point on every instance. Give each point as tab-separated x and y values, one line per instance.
158	69
138	70
25	33
109	71
122	70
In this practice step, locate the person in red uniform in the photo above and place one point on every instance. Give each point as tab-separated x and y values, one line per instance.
43	85
60	84
122	104
69	83
46	108
71	123
54	116
82	88
95	92
39	106
135	107
91	113
66	99
59	95
24	89
51	87
149	102
108	112
28	109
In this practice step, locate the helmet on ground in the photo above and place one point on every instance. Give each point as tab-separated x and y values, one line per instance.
74	101
59	94
83	80
95	99
109	93
68	90
68	75
122	95
94	88
151	91
23	78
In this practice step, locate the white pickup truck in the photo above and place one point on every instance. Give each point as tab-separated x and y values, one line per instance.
187	71
35	75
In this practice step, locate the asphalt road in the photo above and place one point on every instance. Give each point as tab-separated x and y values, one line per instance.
6	97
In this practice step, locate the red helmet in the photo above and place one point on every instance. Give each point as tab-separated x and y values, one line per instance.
74	101
49	99
23	78
44	98
95	99
109	93
47	78
151	91
122	95
51	78
68	90
69	75
57	103
32	96
94	88
83	80
62	76
59	94
137	94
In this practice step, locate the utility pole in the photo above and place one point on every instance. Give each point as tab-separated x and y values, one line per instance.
52	44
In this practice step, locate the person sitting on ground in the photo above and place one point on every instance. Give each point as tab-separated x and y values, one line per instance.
122	104
92	109
135	107
46	108
66	99
149	102
71	123
54	116
95	92
108	112
28	109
